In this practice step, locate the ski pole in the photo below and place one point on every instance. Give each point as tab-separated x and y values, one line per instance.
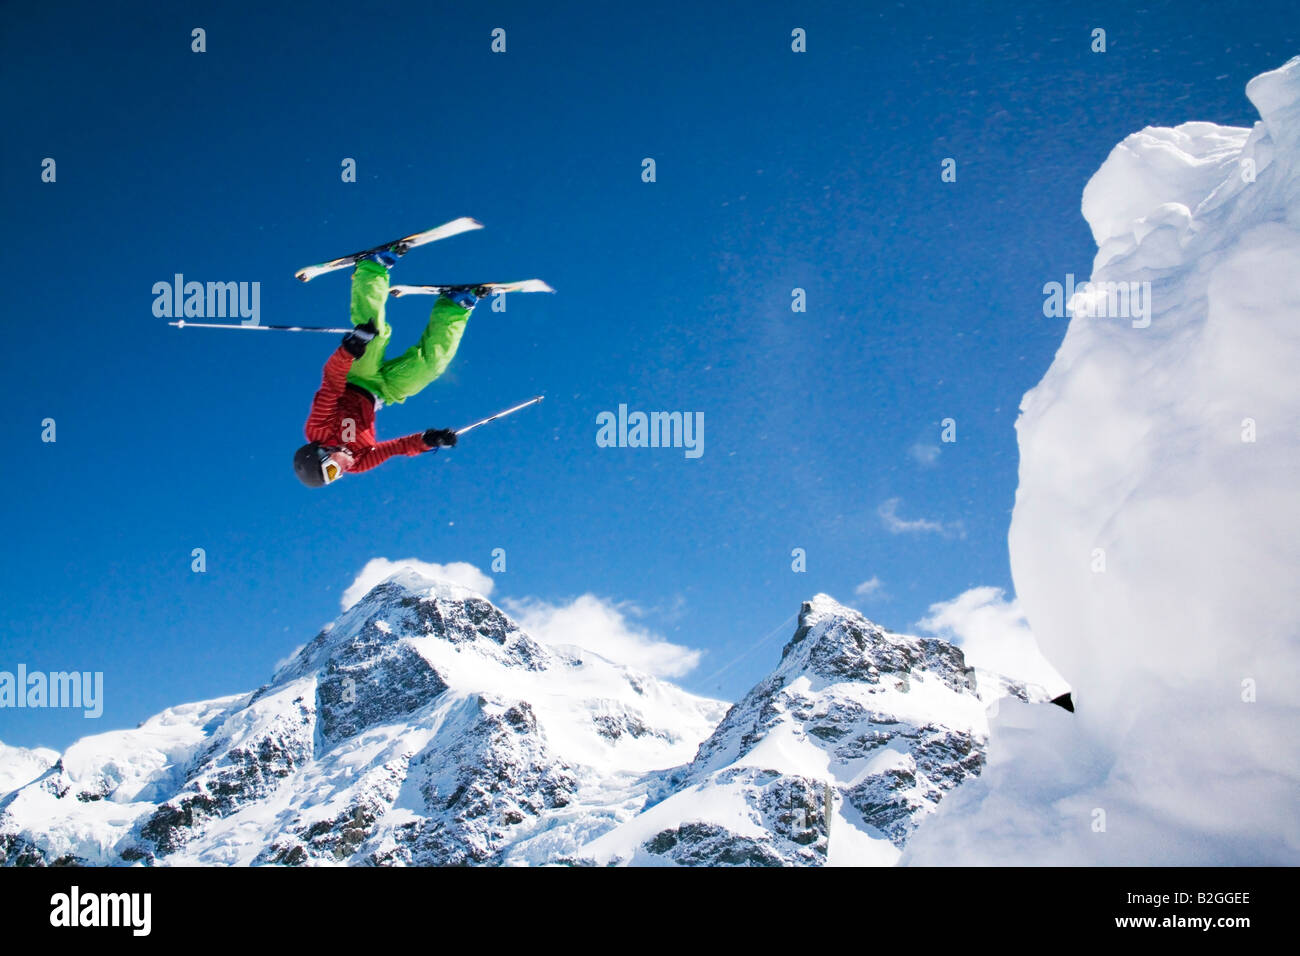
182	324
491	418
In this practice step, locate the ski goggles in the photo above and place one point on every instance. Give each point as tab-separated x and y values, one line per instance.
329	468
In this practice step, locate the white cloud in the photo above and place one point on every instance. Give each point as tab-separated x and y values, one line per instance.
924	453
888	512
992	633
602	627
869	588
377	569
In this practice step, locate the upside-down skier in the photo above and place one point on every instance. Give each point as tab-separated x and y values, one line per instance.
358	379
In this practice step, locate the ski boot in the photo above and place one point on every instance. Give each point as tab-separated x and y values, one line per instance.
466	296
388	257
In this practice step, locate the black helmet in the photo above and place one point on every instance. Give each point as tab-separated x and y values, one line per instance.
309	464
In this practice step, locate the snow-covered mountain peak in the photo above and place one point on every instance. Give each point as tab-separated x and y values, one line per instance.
426	586
834	758
834	642
408	606
425	726
422	726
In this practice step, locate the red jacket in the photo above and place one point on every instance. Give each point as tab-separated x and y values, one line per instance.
335	404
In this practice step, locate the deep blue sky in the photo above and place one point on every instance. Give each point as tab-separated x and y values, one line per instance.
775	170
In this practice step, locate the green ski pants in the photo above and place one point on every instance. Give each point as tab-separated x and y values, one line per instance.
397	379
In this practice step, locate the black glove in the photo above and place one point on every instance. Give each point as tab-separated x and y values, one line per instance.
357	340
440	438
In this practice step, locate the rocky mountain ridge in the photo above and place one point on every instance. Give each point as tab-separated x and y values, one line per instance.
424	727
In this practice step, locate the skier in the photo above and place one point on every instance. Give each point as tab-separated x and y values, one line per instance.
358	380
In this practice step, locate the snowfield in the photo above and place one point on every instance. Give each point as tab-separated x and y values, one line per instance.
19	765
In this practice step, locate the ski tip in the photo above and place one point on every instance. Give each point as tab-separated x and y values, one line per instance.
179	324
453	228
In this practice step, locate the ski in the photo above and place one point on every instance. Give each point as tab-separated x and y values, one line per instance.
523	285
446	230
501	414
